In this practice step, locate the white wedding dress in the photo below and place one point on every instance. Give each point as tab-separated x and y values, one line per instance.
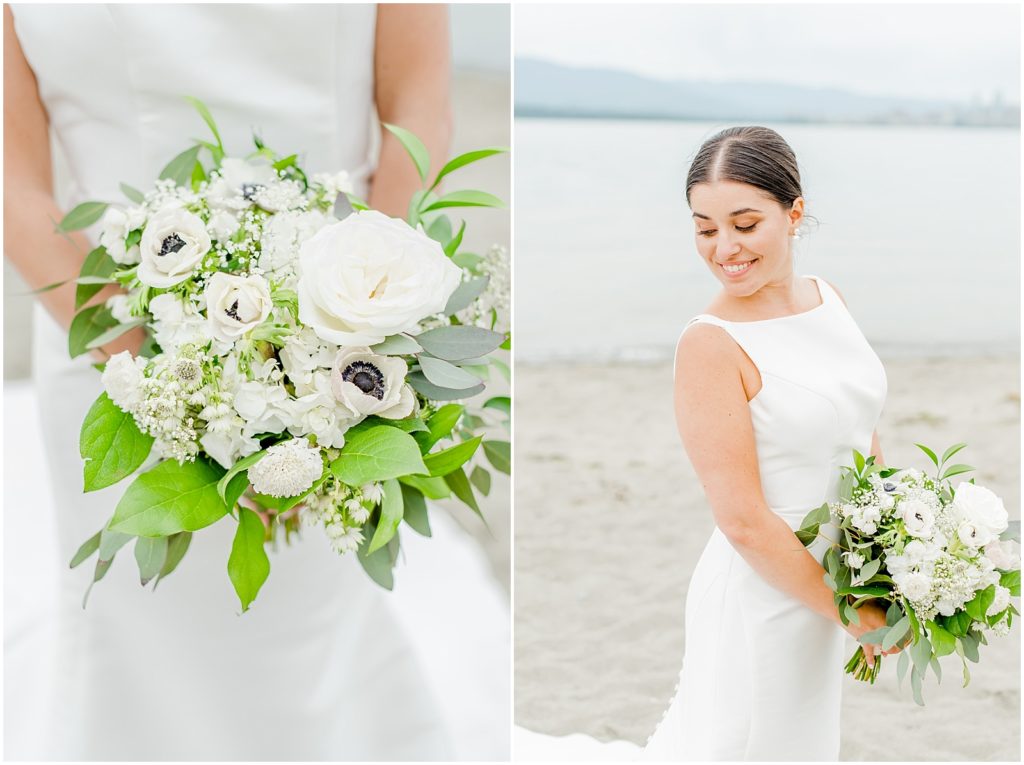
326	665
762	673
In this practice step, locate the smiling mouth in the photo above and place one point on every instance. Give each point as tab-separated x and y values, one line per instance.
735	269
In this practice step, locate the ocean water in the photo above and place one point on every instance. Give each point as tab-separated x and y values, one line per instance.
919	228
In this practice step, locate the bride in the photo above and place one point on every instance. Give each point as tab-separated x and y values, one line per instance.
774	387
326	665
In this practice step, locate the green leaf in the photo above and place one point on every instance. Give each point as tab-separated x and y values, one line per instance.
113	333
896	633
851	613
969	644
816	517
465	294
150	554
874	590
440	230
929	452
378	454
465	159
204	112
1011	580
97	263
901	668
170	498
456	241
133	194
916	676
953	470
461	488
89	546
501	403
242	465
481	479
112	541
434	488
943	641
979	605
379	564
445	461
415	148
869	569
499	454
858	461
951	451
415	513
921	654
467	198
1012	533
830	582
41	290
181	167
111	444
459	342
439	425
102	566
875	637
436	393
396	345
936	667
88	324
446	375
82	216
248	565
959	623
466	260
390	515
177	546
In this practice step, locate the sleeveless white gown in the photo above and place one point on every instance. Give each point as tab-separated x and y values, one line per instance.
324	666
762	673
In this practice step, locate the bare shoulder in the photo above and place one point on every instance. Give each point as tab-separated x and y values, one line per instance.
704	350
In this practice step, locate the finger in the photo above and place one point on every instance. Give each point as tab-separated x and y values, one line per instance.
869	655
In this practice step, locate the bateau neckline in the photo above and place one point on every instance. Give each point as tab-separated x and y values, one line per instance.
821	294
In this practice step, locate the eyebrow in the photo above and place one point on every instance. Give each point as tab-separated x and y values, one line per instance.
733	214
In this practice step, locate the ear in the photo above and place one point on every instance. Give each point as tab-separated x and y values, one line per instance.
796	212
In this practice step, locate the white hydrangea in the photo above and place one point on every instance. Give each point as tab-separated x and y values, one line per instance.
123	379
287	469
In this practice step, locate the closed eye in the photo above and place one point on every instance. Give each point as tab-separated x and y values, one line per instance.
707	232
746	229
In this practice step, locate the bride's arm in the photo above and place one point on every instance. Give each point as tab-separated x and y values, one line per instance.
412	72
40	255
714	421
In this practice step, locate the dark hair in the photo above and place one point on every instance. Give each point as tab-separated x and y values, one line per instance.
755	155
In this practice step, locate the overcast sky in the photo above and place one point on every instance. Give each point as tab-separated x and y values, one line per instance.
953	52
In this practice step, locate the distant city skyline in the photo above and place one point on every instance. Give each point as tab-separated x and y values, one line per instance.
965	53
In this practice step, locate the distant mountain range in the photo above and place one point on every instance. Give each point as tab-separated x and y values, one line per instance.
544	89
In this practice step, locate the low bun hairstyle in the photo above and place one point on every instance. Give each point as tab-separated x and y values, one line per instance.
754	155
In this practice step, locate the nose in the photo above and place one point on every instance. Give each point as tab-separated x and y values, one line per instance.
725	247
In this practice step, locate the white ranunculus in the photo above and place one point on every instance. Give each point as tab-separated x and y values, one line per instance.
973	534
914	585
370	384
122	379
853	560
918	518
982	507
371	276
173	245
236	304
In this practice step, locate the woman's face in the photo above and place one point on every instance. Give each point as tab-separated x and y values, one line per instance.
743	234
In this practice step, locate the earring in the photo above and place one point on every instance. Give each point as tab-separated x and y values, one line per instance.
796	233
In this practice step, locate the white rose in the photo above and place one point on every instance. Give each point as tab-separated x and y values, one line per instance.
118	305
122	379
371	276
173	244
914	585
853	560
918	518
370	384
982	507
236	304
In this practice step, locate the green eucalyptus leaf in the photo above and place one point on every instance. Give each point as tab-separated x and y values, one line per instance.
82	216
901	667
916	676
875	637
180	168
150	554
248	564
456	343
446	375
177	546
896	633
921	654
111	444
969	644
133	194
112	541
85	551
397	345
465	294
420	383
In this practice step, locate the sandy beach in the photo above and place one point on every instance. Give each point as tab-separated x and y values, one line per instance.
610	521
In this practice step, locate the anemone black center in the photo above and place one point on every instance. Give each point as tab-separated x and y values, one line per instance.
366	377
170	244
233	311
249	189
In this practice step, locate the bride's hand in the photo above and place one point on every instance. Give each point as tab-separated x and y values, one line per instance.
872	617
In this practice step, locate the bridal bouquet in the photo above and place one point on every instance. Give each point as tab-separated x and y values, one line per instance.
942	558
302	360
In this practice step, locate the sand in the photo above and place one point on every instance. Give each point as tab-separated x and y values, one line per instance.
610	520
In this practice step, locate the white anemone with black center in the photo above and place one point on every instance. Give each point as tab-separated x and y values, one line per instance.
371	276
370	384
236	183
172	247
236	304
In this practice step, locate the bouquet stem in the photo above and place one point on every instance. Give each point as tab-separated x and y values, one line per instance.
859	668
